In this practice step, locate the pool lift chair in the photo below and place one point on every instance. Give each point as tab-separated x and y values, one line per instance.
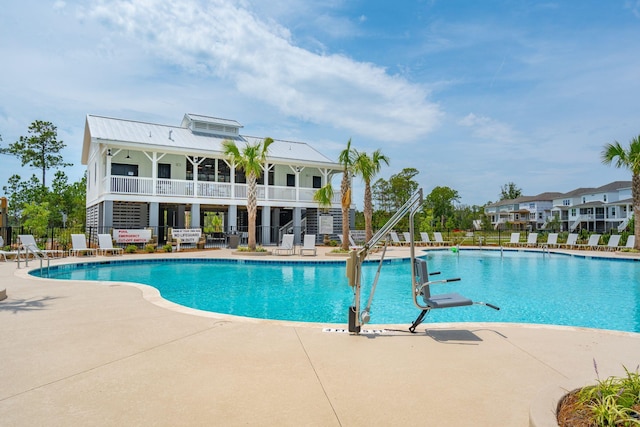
419	278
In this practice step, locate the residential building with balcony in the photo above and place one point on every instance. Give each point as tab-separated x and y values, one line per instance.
602	209
147	175
522	213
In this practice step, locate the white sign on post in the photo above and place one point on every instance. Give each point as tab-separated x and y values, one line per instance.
131	236
187	235
325	225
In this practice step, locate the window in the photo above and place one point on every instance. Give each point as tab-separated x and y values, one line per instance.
291	180
317	182
604	198
164	170
566	202
124	170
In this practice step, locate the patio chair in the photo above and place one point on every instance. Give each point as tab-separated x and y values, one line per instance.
79	245
592	244
286	247
407	237
425	238
437	237
105	244
352	243
309	244
515	240
532	240
432	302
612	244
631	241
28	243
4	254
395	240
572	239
552	240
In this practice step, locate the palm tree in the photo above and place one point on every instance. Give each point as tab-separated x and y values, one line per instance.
250	159
368	167
346	159
324	197
629	159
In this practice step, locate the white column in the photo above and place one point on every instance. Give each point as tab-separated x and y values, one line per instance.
297	224
232	218
266	225
195	215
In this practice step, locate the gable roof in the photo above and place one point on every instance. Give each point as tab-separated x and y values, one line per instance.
178	139
547	196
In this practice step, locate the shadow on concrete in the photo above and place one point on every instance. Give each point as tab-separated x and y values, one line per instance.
18	305
454	336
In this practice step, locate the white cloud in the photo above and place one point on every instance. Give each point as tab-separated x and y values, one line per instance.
261	61
634	6
488	128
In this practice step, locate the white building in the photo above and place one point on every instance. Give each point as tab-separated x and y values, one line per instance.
146	175
596	209
523	213
601	209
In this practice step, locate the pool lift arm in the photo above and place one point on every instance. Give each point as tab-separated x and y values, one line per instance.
357	318
357	256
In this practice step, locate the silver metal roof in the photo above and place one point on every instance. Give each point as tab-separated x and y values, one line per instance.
208	119
142	135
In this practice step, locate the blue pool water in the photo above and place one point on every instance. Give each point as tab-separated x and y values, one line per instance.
527	286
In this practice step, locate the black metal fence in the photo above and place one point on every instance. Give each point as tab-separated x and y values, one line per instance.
60	238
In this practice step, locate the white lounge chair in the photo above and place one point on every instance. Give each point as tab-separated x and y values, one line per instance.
612	244
4	253
515	240
286	247
532	240
28	243
79	245
437	236
594	239
395	240
352	243
571	241
552	240
105	244
309	244
631	241
425	238
407	238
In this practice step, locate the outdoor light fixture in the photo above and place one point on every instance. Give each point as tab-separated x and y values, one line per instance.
128	157
109	152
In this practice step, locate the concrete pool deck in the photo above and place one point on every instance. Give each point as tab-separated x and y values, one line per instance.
83	353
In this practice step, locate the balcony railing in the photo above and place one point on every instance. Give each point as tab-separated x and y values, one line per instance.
204	189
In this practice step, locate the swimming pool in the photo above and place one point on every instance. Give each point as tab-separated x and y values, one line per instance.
529	287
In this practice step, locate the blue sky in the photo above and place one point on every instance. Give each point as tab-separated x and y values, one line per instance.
472	94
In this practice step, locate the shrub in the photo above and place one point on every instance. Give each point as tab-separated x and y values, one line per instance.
615	400
131	249
150	248
246	249
167	248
